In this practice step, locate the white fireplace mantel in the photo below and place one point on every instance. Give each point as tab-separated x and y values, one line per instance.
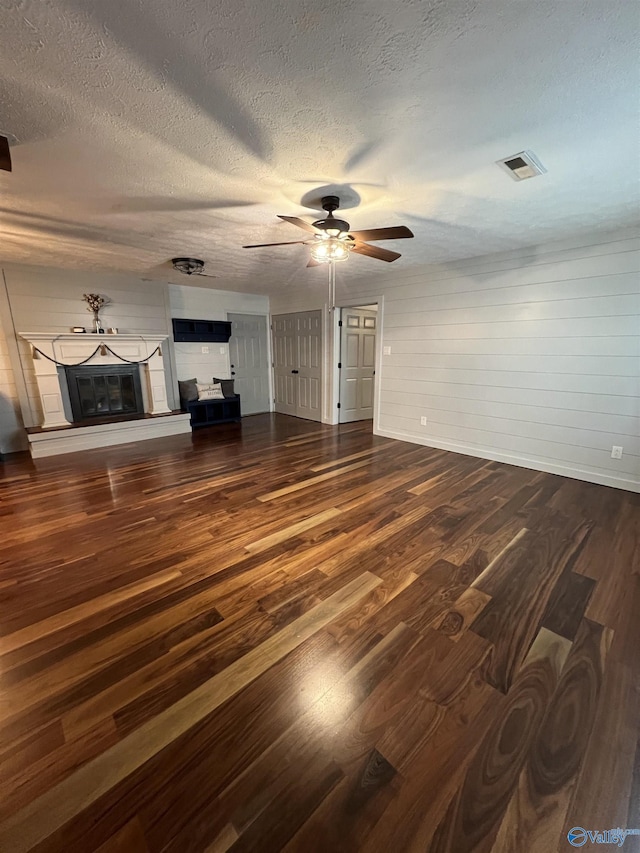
73	348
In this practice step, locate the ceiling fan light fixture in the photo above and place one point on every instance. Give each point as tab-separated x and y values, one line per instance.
188	266
330	249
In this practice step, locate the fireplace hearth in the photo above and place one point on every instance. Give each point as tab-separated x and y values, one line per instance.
104	392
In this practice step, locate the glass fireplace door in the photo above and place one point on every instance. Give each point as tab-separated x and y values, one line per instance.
103	392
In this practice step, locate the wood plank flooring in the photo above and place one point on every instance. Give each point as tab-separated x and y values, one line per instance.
277	635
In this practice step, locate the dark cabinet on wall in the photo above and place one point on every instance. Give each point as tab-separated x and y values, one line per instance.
195	331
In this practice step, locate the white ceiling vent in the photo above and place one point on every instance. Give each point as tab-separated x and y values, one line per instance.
522	166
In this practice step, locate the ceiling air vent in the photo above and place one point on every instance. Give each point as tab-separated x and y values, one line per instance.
522	166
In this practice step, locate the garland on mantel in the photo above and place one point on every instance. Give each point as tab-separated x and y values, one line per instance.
101	348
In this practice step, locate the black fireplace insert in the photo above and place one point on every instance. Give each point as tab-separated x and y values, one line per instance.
104	392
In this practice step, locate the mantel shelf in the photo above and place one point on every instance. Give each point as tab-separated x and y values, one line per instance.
83	336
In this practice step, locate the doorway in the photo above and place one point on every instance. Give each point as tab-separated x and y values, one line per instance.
249	359
297	364
357	362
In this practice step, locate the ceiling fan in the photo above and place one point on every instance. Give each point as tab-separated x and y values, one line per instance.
333	241
5	154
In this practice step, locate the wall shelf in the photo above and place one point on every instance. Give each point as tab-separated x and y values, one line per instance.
195	331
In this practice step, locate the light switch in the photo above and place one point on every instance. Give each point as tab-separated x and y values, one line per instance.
205	350
386	350
222	350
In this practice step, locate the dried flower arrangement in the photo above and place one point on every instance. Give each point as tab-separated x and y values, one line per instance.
95	301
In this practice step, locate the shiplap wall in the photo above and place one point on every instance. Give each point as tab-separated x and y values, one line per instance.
530	357
45	299
200	303
12	435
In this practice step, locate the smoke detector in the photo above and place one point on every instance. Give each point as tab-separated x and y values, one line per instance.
522	166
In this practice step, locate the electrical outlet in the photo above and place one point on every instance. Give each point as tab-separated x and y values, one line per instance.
222	350
205	350
423	421
386	350
616	452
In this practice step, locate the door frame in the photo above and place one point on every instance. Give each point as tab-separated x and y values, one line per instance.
267	316
334	347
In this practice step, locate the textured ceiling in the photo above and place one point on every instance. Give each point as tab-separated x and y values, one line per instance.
146	129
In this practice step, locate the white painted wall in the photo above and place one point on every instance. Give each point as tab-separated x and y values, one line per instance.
199	303
530	357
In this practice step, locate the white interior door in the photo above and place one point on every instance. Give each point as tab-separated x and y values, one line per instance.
297	363
357	364
285	361
249	358
309	376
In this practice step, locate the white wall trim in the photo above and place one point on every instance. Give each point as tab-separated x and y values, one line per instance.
519	461
377	387
331	374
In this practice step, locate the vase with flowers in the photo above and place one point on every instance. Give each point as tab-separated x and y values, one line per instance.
95	302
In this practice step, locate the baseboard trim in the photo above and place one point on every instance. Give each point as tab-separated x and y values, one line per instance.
520	461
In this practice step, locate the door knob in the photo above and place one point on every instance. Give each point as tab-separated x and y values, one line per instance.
295	371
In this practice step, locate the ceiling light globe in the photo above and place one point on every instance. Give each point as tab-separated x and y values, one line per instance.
330	249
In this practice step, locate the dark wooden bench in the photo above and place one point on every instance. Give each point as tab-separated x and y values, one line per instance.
209	412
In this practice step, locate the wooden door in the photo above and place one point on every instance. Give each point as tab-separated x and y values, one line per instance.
249	359
357	364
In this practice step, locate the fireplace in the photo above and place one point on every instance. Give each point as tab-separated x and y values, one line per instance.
102	422
104	392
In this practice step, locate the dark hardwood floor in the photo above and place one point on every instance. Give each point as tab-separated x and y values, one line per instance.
285	636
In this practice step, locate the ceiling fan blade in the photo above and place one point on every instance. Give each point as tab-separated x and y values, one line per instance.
289	243
396	232
376	252
295	220
5	154
314	263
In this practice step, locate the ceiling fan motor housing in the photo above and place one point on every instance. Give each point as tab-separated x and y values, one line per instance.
331	203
